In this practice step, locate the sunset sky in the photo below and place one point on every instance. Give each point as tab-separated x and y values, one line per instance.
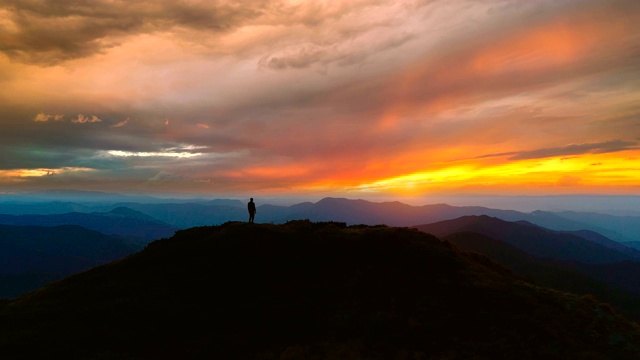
351	98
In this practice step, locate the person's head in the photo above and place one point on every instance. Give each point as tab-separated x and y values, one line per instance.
251	199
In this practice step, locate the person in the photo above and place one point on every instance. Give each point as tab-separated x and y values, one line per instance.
251	206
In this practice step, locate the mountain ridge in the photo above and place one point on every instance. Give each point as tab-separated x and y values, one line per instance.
119	221
188	213
536	240
309	290
571	277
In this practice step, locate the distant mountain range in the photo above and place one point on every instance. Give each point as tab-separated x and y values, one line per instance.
585	247
184	214
308	290
32	256
121	221
37	249
556	274
571	241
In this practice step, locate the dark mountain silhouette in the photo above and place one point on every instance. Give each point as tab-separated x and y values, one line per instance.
607	225
624	274
605	241
534	240
32	256
577	252
629	226
371	213
633	244
554	274
120	221
594	237
188	214
399	214
305	290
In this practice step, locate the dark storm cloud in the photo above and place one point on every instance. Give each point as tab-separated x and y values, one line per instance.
64	143
50	31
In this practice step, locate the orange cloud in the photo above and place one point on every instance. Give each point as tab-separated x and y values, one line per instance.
42	117
21	174
543	47
358	96
537	53
82	119
121	123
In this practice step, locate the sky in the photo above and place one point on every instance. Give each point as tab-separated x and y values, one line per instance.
352	98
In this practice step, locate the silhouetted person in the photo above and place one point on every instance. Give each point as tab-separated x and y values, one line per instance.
251	206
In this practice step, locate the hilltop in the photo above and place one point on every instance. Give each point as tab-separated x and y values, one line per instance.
313	291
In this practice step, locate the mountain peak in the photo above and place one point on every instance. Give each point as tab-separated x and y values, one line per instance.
334	200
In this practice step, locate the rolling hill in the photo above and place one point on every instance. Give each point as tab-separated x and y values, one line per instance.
32	256
571	277
120	221
576	261
308	290
535	240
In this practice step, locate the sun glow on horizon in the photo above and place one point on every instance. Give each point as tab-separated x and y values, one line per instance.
583	172
17	174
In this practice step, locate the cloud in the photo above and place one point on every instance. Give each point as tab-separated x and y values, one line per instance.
172	154
51	31
567	152
302	33
121	123
42	117
82	119
577	149
568	180
298	93
164	176
38	172
79	119
357	50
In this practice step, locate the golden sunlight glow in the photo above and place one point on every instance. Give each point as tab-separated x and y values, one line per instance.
26	173
590	170
16	174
